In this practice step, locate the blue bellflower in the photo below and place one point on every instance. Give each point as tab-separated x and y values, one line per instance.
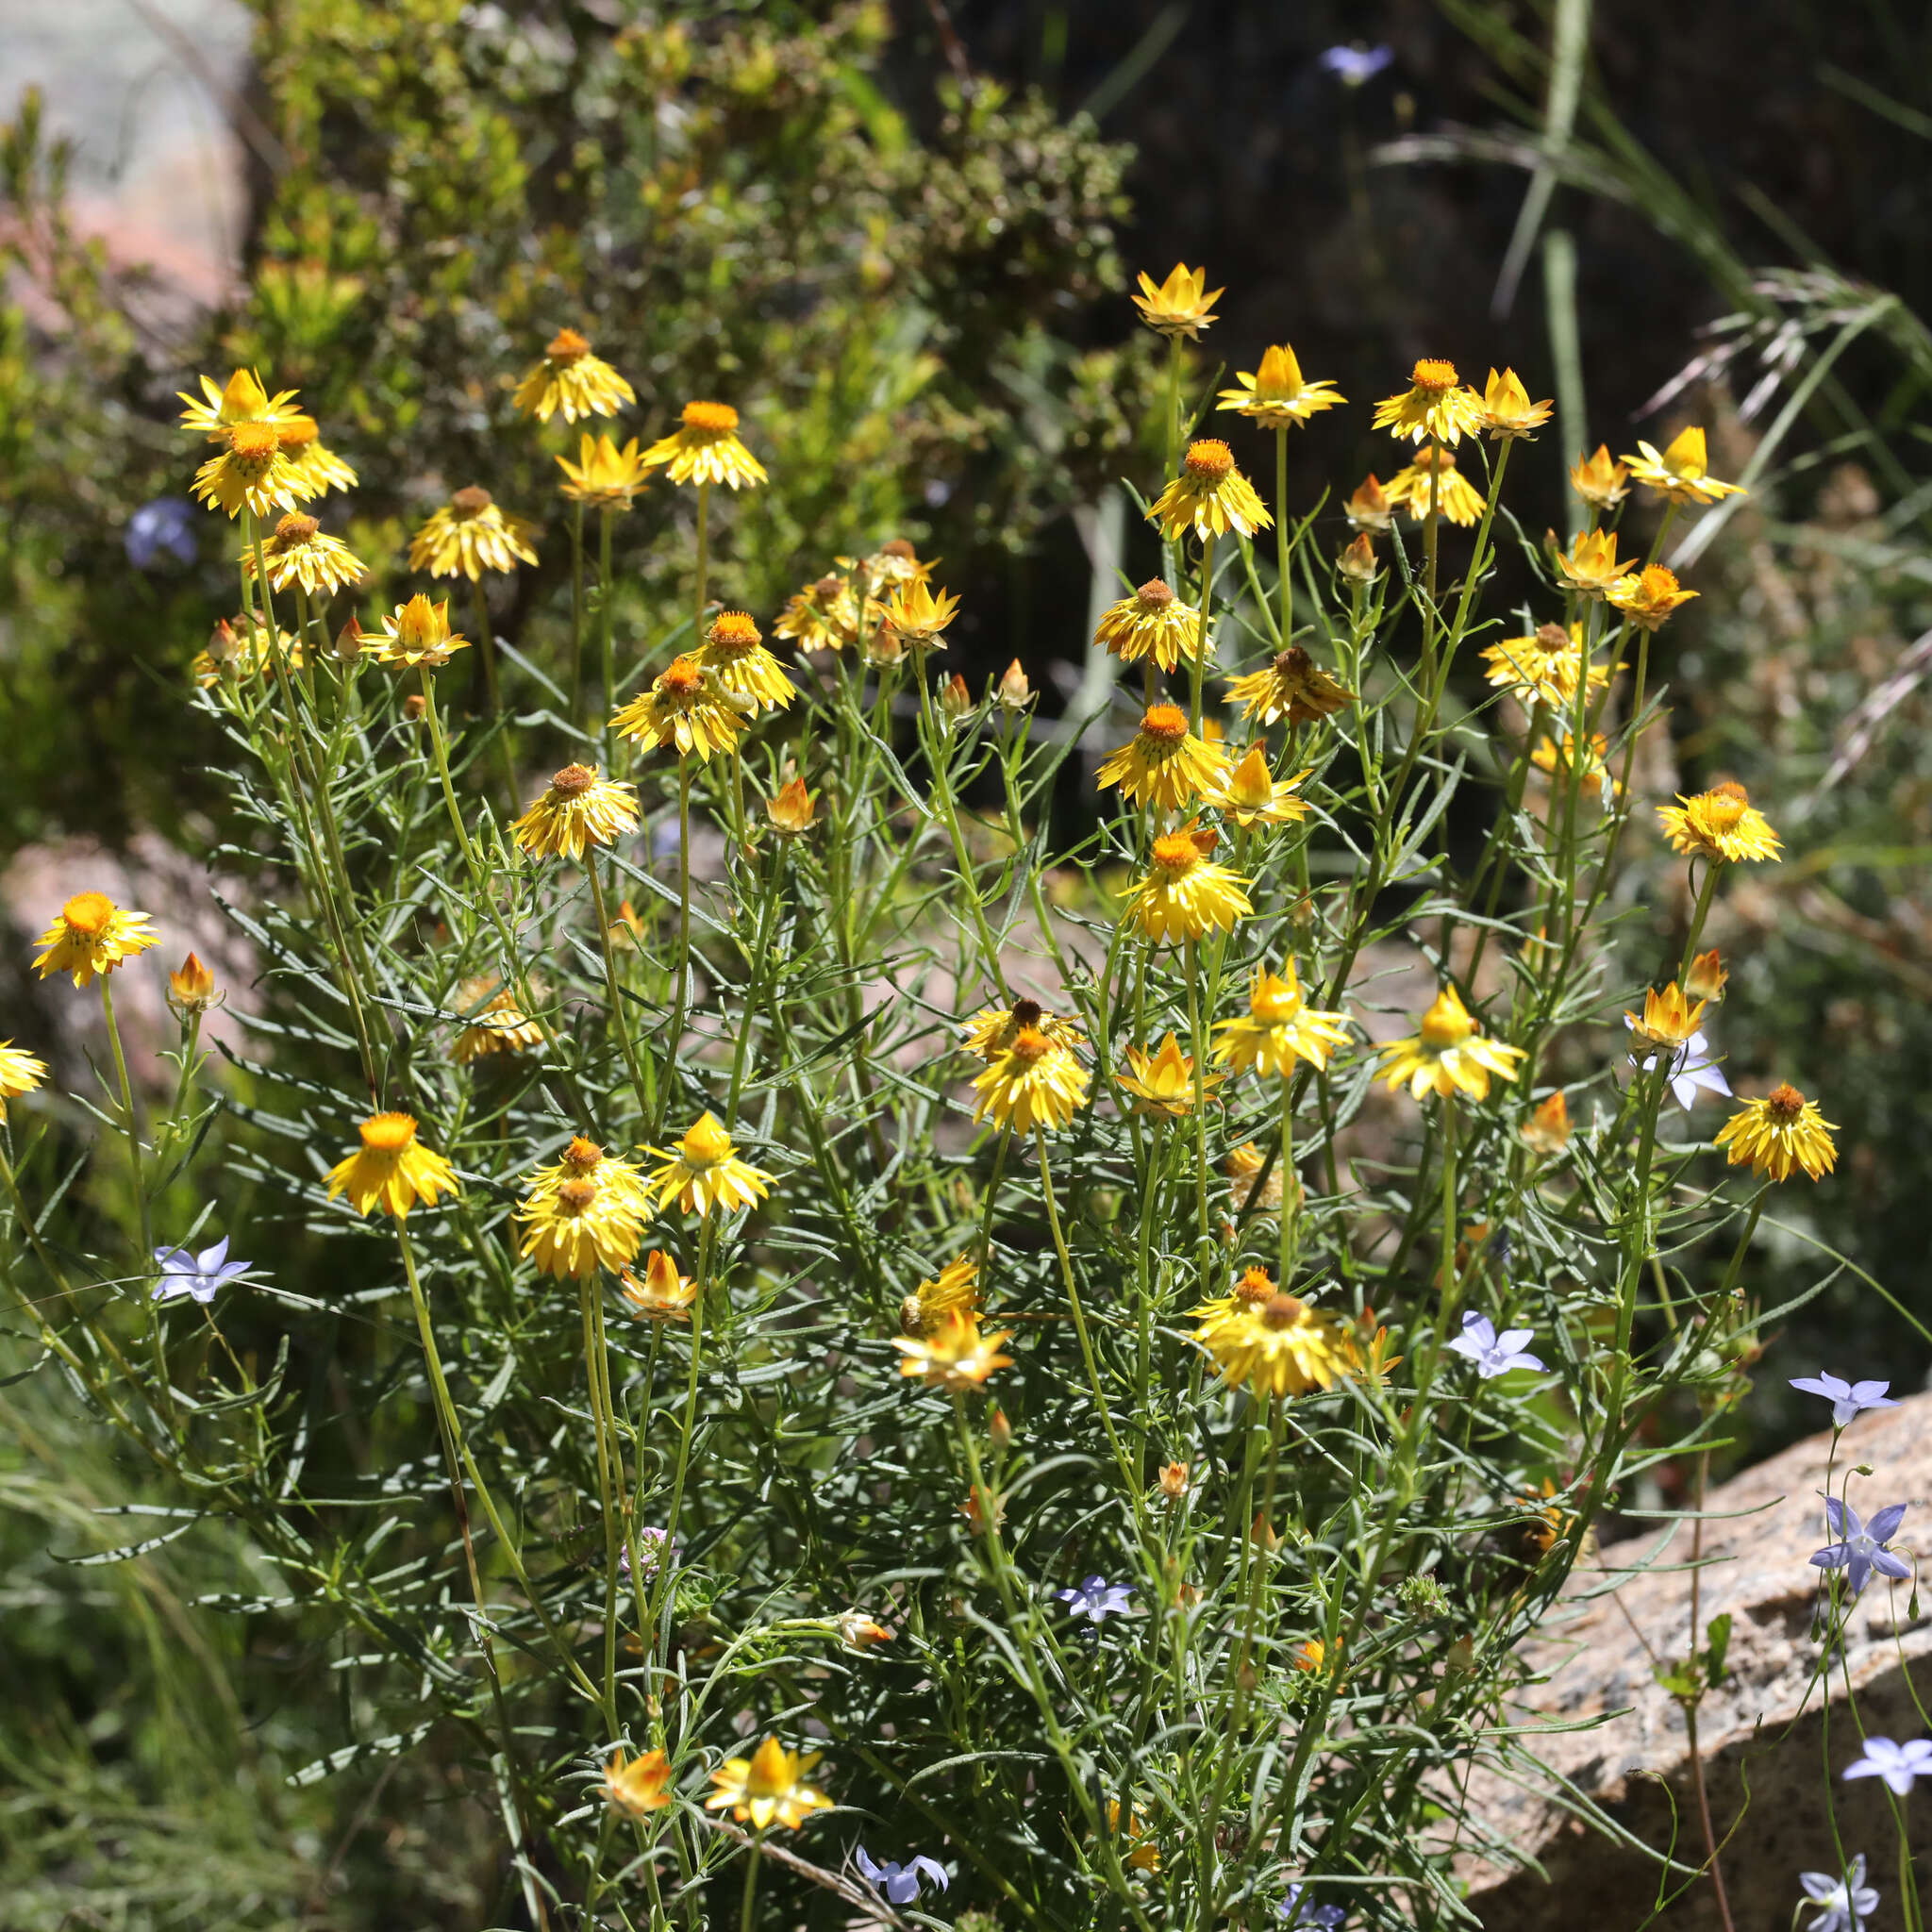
164	527
1307	1918
198	1275
1847	1902
1848	1399
1355	66
900	1883
1861	1547
1897	1764
1096	1598
1494	1354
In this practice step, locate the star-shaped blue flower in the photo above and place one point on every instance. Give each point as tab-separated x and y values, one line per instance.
1848	1902
1494	1354
1848	1399
1897	1764
1861	1547
900	1883
1308	1917
1096	1598
199	1276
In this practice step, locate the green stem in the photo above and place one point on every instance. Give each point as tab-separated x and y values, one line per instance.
1287	575
751	1883
698	619
1198	670
619	1021
577	613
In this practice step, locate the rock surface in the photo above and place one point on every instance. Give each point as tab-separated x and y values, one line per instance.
1756	1729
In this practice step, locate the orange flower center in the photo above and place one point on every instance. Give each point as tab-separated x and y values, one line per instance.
387	1133
1154	594
88	913
1433	374
566	345
734	633
299	432
472	501
1256	1287
683	679
1209	461
255	443
575	1196
581	1156
896	547
295	528
1282	1311
573	781
713	419
1029	1044
1166	724
1657	584
1724	806
1176	853
1784	1102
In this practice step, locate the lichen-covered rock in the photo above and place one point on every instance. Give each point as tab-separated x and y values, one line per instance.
1767	1727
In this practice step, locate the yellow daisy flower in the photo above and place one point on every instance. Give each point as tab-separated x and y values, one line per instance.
1141	1853
1782	1131
1291	686
1600	479
1668	1019
496	1023
1543	668
1680	472
1457	500
297	552
952	1294
992	1032
1279	1029
603	476
469	534
418	634
1648	597
1276	394
663	1294
243	400
824	616
704	448
638	1786
1281	1348
1211	497
952	1354
572	379
318	469
250	473
1554	757
391	1168
93	935
582	1211
1164	764
1434	404
1591	566
735	654
1250	795
767	1789
1508	411
1164	1082
1719	824
1253	1287
685	708
1242	1168
703	1171
1152	622
1179	308
916	615
1184	893
791	810
1547	1130
1368	509
1448	1055
19	1073
1033	1083
580	808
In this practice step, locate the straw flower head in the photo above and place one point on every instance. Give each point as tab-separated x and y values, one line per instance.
19	1073
318	469
298	552
583	1212
1280	1346
1648	597
952	1293
251	474
1591	566
471	533
1153	622
1434	405
918	615
1179	308
767	1789
704	448
735	655
418	634
1667	1021
1600	479
572	379
1707	977
1555	757
1035	1082
791	810
1211	497
824	616
663	1294
952	1354
1368	509
703	1171
1782	1131
496	1023
1250	794
686	708
638	1786
603	476
1543	668
1291	686
391	1169
1719	824
1434	477
1447	1054
1185	894
1276	394
1547	1130
1164	764
243	399
1681	472
993	1031
1280	1028
1508	411
580	808
1163	1083
93	935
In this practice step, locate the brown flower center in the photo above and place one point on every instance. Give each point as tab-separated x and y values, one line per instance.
581	1156
573	781
828	587
88	913
1154	594
1433	374
470	501
1294	663
1282	1311
714	419
566	345
1209	461
898	548
574	1197
1784	1102
1724	806
295	528
1166	724
1551	637
1026	1013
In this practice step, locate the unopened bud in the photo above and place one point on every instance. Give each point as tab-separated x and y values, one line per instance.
415	706
1357	562
956	701
1015	691
999	1428
1174	1481
349	642
191	988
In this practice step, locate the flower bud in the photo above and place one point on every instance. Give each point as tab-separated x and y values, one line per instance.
414	707
1174	1481
191	988
1000	1429
1015	690
1357	562
349	642
956	701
